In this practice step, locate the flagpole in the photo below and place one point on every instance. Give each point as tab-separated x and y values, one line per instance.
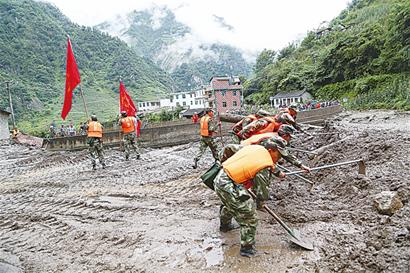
119	118
85	105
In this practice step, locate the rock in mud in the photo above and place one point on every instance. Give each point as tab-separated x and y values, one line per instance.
387	202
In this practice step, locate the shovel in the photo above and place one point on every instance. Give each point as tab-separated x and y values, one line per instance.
312	184
362	167
293	234
300	150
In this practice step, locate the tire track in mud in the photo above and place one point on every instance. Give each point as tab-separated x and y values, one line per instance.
45	209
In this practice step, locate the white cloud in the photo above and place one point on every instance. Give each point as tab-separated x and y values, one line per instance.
257	24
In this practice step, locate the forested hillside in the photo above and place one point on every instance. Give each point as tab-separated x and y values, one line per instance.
33	42
362	55
155	33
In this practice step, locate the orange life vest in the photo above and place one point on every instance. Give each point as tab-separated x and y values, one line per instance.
239	125
256	139
246	163
204	126
292	113
271	126
128	125
94	129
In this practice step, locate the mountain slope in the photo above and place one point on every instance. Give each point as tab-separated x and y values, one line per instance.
156	34
363	55
32	54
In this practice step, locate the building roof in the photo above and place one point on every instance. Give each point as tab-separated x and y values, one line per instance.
191	112
224	83
4	111
292	94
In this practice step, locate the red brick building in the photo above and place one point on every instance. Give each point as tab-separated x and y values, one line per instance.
225	93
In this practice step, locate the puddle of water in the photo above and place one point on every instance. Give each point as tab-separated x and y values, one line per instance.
214	254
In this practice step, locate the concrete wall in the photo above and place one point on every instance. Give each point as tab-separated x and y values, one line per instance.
4	126
171	133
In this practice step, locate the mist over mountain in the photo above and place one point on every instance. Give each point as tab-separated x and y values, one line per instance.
33	44
156	34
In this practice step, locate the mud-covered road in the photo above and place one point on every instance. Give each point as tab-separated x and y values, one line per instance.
154	215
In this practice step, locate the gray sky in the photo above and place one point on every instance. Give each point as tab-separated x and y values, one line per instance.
257	24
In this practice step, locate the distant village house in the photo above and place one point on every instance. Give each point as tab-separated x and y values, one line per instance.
4	124
287	98
225	93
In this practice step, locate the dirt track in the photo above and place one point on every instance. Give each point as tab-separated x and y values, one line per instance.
153	214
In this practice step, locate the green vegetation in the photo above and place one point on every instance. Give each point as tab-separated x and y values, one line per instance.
164	115
33	42
363	55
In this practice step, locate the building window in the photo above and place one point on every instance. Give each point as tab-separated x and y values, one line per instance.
192	103
234	94
224	104
183	96
235	103
178	104
176	96
196	102
184	103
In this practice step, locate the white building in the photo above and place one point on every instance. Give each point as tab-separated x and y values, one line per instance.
287	98
189	100
192	99
4	124
149	105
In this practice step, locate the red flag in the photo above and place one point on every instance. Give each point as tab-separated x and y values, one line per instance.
72	79
138	128
126	103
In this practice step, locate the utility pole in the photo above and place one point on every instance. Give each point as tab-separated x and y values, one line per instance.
11	103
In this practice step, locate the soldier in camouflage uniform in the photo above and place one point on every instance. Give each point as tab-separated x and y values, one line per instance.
236	201
129	127
208	128
94	141
288	116
244	122
261	125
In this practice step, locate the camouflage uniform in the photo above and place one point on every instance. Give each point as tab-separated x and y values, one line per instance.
253	127
96	149
130	141
247	120
238	204
281	119
208	141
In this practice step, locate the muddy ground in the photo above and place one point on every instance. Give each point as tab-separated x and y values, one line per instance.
154	215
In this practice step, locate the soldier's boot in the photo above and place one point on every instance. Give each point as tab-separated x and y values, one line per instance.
195	163
94	167
138	156
248	251
127	157
227	227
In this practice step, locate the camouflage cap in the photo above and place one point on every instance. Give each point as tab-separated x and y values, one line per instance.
293	106
286	129
287	118
262	113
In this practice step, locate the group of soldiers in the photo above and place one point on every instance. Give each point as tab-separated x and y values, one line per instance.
259	142
95	133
